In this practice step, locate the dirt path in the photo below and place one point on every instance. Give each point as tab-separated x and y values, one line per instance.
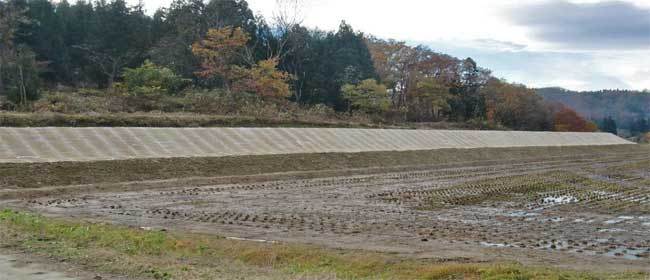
12	268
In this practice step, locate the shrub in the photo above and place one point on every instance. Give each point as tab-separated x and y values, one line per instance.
645	138
72	102
152	80
5	104
207	102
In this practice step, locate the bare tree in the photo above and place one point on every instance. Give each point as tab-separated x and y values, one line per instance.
288	15
109	65
11	17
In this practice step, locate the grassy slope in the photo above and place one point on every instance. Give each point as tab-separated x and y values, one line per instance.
12	119
163	255
35	175
160	120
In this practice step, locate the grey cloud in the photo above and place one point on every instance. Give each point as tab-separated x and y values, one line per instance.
498	45
588	26
536	68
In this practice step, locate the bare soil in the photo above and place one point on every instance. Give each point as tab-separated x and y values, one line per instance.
571	208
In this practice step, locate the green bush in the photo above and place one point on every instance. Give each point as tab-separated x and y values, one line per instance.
152	80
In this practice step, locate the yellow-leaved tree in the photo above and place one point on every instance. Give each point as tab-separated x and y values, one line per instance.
368	96
435	95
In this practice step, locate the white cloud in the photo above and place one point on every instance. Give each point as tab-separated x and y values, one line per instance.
477	28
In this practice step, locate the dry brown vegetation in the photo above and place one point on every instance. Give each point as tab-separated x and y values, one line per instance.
89	107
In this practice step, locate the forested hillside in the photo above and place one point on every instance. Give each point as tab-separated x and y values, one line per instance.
612	109
219	58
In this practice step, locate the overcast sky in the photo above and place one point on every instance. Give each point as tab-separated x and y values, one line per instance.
576	44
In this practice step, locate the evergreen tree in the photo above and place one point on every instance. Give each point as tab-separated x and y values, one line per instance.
609	125
337	59
640	126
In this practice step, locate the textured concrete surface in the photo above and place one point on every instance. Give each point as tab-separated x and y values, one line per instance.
51	144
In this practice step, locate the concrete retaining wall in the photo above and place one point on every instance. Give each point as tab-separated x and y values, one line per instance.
87	144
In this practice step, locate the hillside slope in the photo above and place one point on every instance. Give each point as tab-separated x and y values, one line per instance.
627	108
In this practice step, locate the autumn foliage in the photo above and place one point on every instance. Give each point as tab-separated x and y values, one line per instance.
219	50
515	106
223	56
566	119
263	79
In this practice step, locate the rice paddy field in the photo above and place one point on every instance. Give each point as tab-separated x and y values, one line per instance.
583	208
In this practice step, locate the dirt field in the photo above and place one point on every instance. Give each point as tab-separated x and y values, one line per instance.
570	208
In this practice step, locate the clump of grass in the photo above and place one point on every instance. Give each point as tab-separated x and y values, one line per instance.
164	255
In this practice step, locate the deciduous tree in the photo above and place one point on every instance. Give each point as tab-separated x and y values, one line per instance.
219	51
263	79
435	97
566	119
12	16
368	96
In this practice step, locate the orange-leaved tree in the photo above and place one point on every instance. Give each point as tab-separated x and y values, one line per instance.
224	56
515	106
263	79
219	52
566	119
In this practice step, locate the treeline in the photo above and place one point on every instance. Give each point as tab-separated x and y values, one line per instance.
625	111
221	47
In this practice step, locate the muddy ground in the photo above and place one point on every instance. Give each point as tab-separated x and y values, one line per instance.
13	269
581	211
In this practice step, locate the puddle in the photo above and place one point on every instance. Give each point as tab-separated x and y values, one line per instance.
496	245
630	254
618	220
10	271
522	214
564	199
612	230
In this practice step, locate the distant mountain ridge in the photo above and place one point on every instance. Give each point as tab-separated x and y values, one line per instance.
630	109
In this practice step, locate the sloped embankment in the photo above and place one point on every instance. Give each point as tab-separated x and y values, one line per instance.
58	144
